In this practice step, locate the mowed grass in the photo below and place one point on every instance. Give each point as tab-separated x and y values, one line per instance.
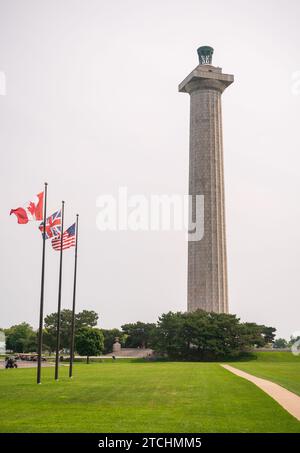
283	368
138	397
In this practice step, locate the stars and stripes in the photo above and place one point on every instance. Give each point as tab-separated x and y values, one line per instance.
68	239
53	225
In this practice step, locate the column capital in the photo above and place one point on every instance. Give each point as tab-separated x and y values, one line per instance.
205	77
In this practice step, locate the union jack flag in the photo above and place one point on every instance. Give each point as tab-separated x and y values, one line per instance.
69	239
53	225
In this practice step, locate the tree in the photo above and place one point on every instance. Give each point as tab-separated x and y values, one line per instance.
268	334
294	339
139	334
50	325
109	338
169	337
85	318
21	338
89	341
253	334
204	336
280	343
49	339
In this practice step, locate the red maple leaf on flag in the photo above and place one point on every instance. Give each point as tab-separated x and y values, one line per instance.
32	211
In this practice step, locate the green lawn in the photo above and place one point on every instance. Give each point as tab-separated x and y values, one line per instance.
138	397
280	367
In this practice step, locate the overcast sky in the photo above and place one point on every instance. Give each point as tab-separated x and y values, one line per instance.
92	104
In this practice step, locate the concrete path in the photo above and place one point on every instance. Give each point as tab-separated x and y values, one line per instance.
288	400
26	364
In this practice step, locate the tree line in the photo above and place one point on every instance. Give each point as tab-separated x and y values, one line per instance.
182	336
89	339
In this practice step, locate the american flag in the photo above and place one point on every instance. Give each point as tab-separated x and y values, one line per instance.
53	225
69	239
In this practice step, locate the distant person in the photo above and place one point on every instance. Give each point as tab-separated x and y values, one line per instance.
11	363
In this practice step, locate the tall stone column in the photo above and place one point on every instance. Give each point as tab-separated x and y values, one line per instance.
207	262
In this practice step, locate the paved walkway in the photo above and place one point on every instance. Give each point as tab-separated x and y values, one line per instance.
288	400
26	364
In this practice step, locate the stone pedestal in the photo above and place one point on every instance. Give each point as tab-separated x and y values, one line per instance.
207	266
117	346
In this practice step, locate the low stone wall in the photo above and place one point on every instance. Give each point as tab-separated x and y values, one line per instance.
272	350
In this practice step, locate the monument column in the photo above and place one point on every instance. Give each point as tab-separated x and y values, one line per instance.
207	265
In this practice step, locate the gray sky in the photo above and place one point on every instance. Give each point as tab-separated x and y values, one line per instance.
92	104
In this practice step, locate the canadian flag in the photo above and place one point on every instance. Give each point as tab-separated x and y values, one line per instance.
33	210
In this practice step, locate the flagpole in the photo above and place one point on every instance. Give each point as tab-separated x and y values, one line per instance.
73	308
59	292
40	335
